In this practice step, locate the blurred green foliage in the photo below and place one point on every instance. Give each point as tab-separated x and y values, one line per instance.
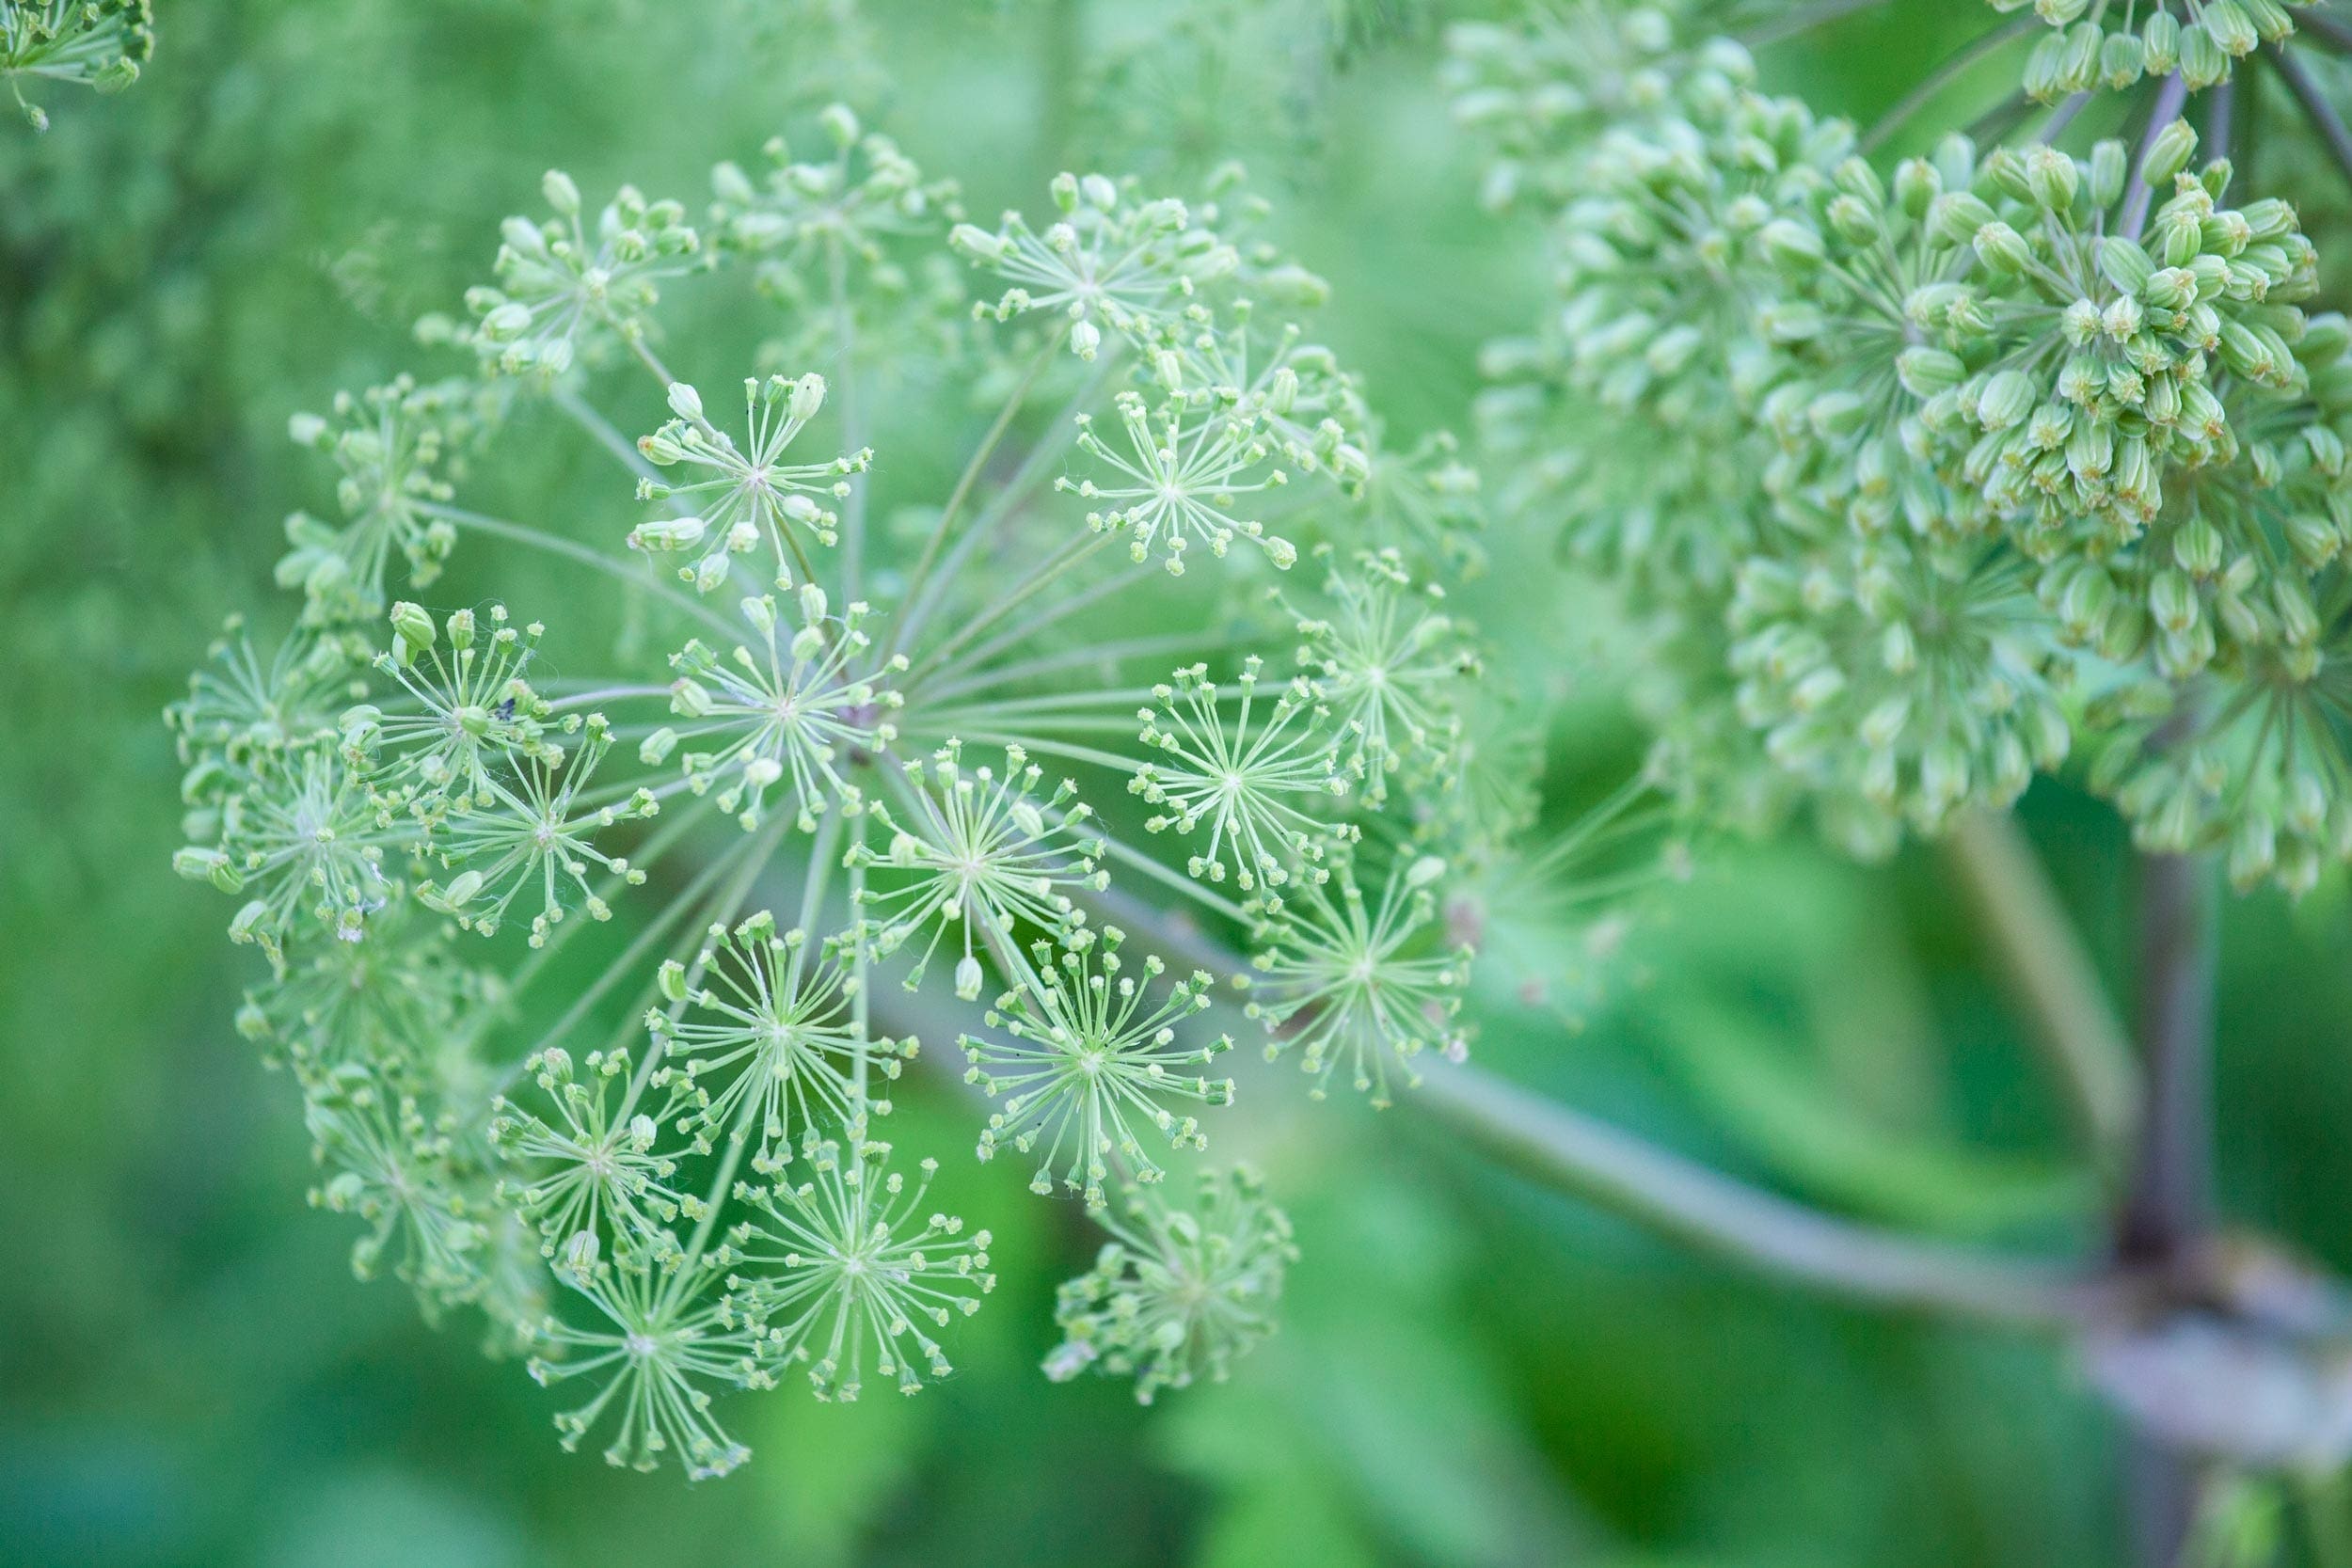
1470	1374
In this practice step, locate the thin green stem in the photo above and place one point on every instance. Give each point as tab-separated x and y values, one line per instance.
919	578
1956	66
1061	561
2042	961
1062	432
498	527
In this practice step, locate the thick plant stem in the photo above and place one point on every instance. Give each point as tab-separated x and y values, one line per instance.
2164	1215
2050	977
2163	1211
1682	1199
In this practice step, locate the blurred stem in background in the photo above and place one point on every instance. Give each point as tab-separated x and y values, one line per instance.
2163	1220
2051	982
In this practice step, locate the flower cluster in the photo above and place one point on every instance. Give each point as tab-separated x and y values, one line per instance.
2095	43
852	733
2011	453
99	43
1178	1293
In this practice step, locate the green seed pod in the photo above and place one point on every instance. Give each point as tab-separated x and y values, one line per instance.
1957	215
1925	371
2123	264
2078	66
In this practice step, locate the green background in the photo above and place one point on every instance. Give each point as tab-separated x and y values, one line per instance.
1471	1372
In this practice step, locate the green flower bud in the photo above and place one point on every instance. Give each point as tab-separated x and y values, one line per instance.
2172	600
2168	154
667	533
2055	178
686	403
2245	353
1916	186
2123	60
839	122
2123	264
2270	19
2003	248
1957	215
2008	397
1794	249
560	193
2253	851
1925	371
2203	62
2299	622
413	627
2231	30
2078	66
2160	35
808	396
2109	167
2044	67
208	865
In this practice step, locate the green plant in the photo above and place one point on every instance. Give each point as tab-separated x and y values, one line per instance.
1920	475
100	43
908	741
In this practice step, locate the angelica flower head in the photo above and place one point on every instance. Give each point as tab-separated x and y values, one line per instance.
536	836
1361	981
750	496
1390	662
652	1343
473	710
586	1170
564	286
910	718
1110	261
789	712
846	1273
977	853
1170	488
1242	784
1180	1292
1090	1056
769	1050
397	447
